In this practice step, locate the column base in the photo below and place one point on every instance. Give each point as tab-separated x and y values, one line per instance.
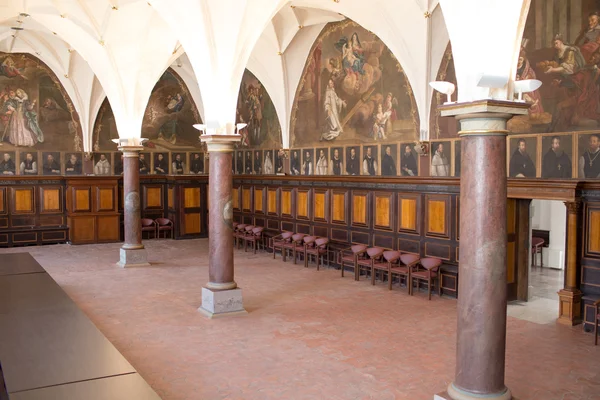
456	394
569	307
222	303
133	258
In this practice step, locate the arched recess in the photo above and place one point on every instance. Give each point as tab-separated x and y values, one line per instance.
53	124
365	76
168	120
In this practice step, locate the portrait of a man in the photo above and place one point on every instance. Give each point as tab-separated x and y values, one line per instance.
28	163
457	158
7	165
178	164
408	160
51	165
322	166
161	163
337	161
279	161
239	162
556	161
119	159
268	164
307	162
197	163
258	162
144	163
248	163
369	164
388	160
73	164
521	164
353	160
440	159
589	162
101	164
295	166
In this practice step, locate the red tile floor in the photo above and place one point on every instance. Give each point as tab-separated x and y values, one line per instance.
308	334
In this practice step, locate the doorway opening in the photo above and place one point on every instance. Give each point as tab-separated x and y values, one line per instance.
546	263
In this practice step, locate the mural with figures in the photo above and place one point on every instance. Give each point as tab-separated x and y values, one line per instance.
35	111
352	91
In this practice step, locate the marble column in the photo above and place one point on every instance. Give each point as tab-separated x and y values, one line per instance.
481	313
220	296
132	253
569	308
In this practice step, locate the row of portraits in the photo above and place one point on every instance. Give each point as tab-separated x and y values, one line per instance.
103	163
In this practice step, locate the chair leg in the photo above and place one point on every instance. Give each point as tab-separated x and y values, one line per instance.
429	288
273	252
389	280
439	285
596	331
318	259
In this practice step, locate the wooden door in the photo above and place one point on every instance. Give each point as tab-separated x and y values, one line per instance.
517	250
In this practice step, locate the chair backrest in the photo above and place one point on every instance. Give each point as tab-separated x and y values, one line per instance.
234	224
320	242
163	221
258	230
296	237
240	227
309	240
374	251
391	255
249	228
408	259
287	236
430	263
536	241
358	248
147	222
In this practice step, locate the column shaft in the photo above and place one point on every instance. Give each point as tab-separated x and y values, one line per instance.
131	196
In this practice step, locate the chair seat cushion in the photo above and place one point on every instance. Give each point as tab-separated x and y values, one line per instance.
348	259
423	274
315	251
380	265
364	263
399	270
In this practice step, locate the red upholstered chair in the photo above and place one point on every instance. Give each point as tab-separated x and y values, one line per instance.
239	229
597	321
427	269
294	245
255	237
278	241
537	245
318	249
374	254
384	264
164	225
349	257
241	235
300	248
403	270
149	226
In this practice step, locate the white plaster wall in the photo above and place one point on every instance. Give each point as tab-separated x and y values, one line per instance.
551	216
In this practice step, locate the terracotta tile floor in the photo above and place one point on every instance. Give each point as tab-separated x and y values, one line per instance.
309	334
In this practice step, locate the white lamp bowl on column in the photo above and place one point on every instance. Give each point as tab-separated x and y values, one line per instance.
446	88
201	128
526	86
240	127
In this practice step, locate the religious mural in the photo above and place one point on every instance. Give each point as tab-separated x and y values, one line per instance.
35	112
352	91
256	109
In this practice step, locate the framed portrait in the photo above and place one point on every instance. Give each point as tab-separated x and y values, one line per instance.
389	157
457	158
295	163
102	163
29	163
118	162
161	163
353	163
73	163
522	153
369	160
336	164
322	161
268	168
588	150
308	162
8	164
248	167
239	162
178	163
257	162
51	163
279	161
144	163
409	160
441	156
557	157
196	163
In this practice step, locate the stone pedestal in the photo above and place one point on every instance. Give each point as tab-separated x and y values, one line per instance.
481	308
569	308
220	296
132	253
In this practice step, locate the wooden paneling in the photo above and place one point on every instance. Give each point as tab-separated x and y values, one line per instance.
359	209
192	223
82	229
407	215
171	198
437	216
23	200
286	203
191	197
302	204
235	198
105	197
383	210
339	206
82	199
593	245
320	205
3	208
441	251
246	199
108	228
153	197
51	200
259	193
272	195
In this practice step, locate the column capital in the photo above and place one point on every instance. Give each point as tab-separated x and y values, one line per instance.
573	207
220	143
130	151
